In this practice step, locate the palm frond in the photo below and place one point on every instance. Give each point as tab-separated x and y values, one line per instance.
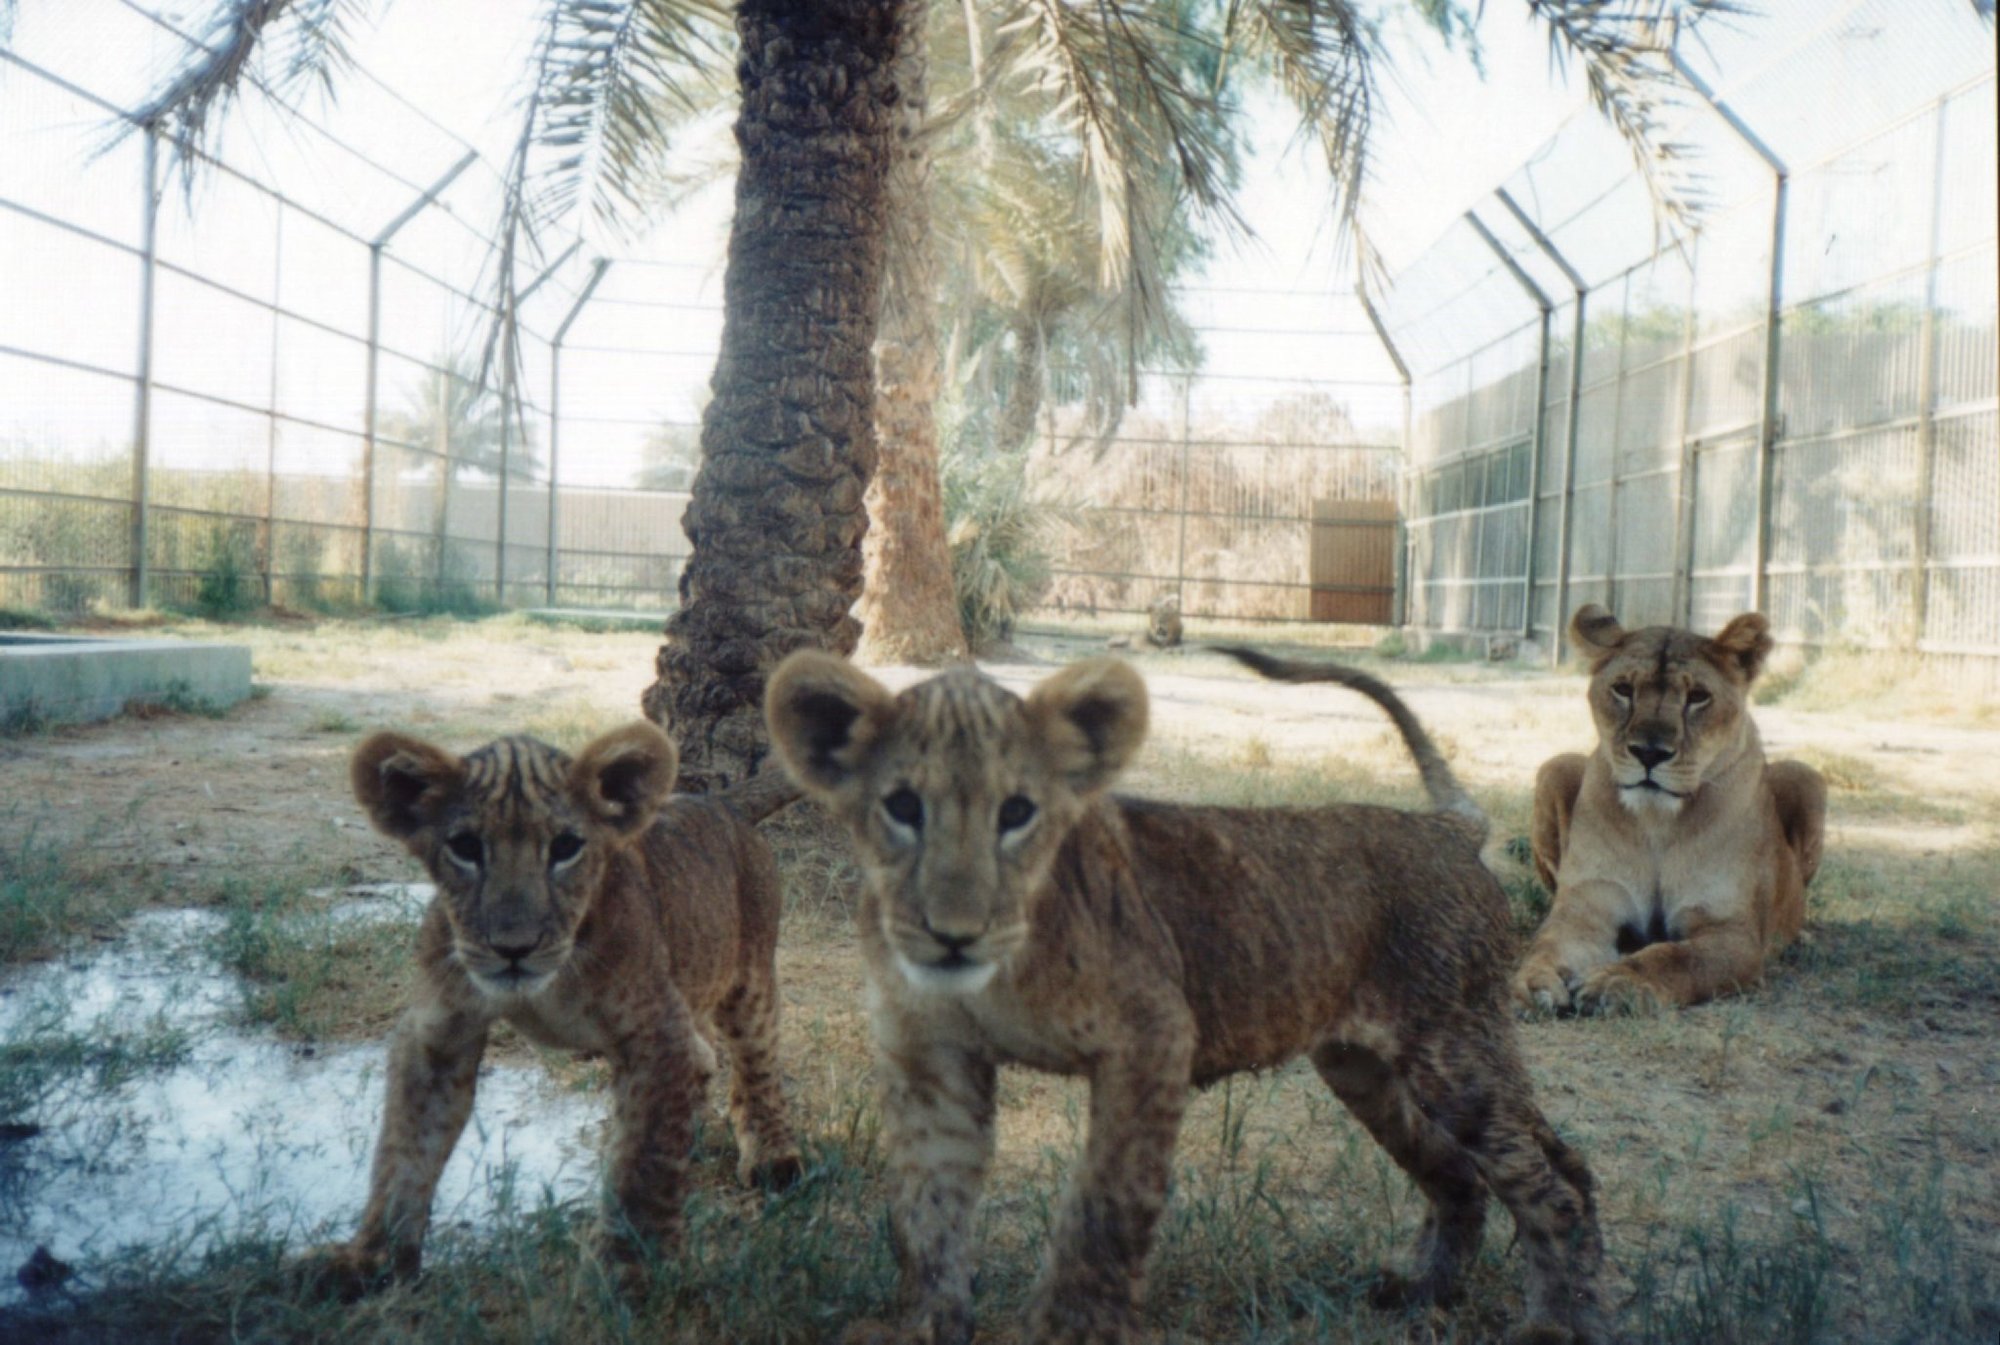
279	48
1321	54
1107	70
608	77
1621	46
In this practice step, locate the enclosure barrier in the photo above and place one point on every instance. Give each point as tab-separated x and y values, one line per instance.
1790	407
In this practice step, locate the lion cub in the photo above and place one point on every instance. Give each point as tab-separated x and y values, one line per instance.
1677	856
1017	913
581	903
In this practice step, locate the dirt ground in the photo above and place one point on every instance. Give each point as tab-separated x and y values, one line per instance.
1862	1080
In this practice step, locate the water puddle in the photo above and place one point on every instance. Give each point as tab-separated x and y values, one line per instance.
160	1119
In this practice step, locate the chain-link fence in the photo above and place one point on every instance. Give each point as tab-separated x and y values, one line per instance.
1791	408
286	383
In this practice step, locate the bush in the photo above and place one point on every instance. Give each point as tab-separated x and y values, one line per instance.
230	584
1000	538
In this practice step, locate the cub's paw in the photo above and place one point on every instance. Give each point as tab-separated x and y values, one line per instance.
341	1272
1615	991
777	1174
1391	1291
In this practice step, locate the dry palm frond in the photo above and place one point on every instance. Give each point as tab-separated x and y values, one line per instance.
295	43
1622	46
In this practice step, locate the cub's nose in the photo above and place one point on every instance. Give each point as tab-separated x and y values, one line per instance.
1649	757
951	940
514	952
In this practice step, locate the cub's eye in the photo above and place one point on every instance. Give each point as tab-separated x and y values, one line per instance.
905	807
1016	813
466	848
1698	697
1621	691
565	847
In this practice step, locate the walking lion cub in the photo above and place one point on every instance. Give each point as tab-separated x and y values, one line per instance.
1016	913
581	903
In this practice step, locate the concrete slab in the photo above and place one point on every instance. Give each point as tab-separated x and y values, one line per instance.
68	679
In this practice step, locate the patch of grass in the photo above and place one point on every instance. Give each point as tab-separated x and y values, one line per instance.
309	973
1888	939
48	900
334	721
44	1058
24	719
177	698
21	618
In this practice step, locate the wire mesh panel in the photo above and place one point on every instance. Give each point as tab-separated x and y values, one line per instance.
1848	484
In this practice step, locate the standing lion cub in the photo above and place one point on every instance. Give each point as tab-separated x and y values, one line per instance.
1016	913
1678	857
579	902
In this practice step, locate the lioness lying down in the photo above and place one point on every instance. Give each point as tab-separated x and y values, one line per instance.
1678	858
579	902
1016	913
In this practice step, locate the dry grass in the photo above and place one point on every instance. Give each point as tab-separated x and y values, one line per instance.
1813	1161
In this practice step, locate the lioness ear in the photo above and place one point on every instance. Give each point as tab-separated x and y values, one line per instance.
1595	631
400	781
1091	718
623	777
825	716
1747	641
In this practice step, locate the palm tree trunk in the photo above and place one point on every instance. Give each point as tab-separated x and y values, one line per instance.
908	611
788	442
1023	406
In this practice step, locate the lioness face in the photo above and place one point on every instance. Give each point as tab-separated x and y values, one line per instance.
957	793
1669	704
516	835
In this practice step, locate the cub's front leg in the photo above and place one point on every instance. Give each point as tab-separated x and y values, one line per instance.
937	1121
433	1062
1094	1279
659	1076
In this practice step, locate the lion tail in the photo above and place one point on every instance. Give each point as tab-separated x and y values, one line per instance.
1447	795
769	791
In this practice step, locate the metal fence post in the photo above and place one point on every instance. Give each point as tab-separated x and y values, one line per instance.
1683	595
142	401
1920	550
371	391
1540	429
1558	619
508	336
271	413
1180	548
1767	415
597	270
1399	615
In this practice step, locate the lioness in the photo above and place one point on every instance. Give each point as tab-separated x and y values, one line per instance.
1015	913
1677	856
579	902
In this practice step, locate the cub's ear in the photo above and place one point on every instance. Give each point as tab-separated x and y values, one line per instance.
825	717
1594	631
623	777
1746	642
1091	718
400	781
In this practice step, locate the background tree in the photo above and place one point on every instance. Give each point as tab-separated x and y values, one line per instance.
450	408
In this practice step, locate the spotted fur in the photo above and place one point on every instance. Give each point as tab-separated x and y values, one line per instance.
1678	856
1015	913
581	903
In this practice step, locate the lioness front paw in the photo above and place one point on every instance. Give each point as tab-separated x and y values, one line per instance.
341	1271
1616	991
1542	989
